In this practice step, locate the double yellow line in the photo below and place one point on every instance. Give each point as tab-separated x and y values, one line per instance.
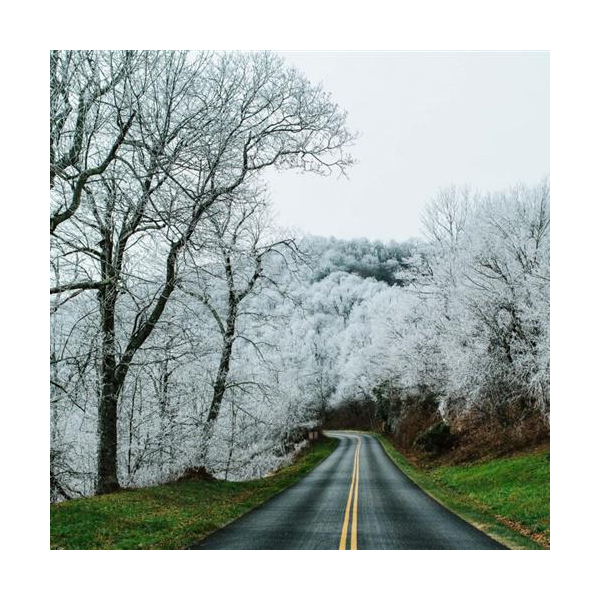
352	504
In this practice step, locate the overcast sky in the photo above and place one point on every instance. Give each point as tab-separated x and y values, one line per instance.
425	120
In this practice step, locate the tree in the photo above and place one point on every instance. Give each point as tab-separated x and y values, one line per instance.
240	238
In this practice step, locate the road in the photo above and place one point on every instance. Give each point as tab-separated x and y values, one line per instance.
356	499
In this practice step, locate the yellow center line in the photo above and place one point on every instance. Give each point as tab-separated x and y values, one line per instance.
348	505
352	493
353	541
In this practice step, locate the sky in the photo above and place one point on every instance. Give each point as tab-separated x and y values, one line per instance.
425	121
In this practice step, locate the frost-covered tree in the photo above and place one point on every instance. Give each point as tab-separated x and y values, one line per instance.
236	245
483	283
468	325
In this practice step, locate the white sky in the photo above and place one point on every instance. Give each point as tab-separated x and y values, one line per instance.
426	120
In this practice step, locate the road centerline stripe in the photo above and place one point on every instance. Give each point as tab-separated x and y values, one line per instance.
348	505
354	537
352	494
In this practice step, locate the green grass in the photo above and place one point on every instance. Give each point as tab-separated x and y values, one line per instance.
169	516
508	498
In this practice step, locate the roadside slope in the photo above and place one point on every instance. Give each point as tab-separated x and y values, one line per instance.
509	498
170	516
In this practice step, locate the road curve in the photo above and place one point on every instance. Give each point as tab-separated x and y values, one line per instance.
355	499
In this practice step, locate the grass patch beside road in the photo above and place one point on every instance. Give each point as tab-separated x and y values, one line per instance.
170	516
508	498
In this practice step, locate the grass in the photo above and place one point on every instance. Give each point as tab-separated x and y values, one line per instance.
508	498
169	516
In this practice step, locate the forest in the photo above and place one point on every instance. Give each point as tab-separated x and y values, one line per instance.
192	334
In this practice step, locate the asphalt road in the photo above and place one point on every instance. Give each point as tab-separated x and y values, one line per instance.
356	499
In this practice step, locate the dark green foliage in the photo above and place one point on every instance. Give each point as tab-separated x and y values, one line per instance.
353	414
362	257
438	438
405	413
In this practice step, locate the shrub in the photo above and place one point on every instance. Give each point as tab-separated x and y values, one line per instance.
438	438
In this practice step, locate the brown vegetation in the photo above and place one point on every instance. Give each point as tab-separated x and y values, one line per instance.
416	427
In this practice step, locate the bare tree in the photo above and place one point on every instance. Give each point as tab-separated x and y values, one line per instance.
445	216
241	238
203	125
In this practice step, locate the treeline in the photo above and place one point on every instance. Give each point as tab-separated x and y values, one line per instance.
362	257
458	358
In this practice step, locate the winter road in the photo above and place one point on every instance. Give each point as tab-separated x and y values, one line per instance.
355	499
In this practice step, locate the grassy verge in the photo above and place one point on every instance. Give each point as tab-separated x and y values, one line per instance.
169	516
508	498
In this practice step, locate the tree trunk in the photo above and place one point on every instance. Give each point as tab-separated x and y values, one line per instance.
107	411
107	432
220	385
221	381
